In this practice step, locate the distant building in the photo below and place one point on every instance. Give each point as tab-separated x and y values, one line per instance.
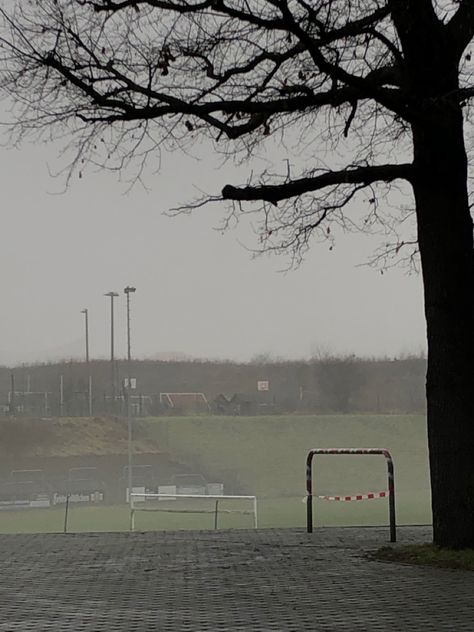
238	404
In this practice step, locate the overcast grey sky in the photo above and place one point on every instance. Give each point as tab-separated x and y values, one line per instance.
199	292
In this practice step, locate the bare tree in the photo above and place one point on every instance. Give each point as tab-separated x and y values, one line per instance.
376	91
339	378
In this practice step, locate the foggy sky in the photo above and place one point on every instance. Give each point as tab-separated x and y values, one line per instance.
199	292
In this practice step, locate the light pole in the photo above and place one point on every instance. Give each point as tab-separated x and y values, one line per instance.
85	311
129	290
112	295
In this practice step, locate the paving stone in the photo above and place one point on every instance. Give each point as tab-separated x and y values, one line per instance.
229	581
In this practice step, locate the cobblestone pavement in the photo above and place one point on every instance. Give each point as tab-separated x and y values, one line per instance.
229	581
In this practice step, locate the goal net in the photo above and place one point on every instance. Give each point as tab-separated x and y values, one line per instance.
185	402
219	507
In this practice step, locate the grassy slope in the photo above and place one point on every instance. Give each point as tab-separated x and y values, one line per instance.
65	437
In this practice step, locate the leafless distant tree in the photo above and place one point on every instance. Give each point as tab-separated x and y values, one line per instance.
377	91
339	379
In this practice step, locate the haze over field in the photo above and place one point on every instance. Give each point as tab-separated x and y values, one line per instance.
262	456
198	291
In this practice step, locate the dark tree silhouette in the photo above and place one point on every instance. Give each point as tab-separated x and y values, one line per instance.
339	379
378	90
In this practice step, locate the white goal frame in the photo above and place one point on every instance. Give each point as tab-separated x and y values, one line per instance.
136	496
199	398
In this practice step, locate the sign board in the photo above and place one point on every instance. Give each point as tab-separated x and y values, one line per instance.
133	383
263	385
80	497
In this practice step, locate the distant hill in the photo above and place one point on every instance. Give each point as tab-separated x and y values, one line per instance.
345	384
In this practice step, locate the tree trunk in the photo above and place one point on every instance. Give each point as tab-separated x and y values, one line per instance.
445	234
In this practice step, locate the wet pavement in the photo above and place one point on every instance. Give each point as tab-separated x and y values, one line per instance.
229	580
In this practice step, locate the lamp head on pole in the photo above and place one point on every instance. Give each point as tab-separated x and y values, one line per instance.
84	311
111	294
129	289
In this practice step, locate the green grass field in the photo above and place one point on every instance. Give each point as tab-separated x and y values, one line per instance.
265	456
272	512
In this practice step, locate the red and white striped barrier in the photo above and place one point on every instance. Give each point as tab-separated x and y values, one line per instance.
369	496
390	479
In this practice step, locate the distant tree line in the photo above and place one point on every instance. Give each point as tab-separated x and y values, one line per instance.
326	384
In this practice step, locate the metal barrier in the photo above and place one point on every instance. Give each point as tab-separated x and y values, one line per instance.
144	495
366	451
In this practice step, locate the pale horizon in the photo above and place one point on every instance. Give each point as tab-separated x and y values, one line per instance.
199	290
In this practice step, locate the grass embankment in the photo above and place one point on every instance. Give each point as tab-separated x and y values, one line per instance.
427	555
74	436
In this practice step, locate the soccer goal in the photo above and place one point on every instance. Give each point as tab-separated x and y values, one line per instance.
390	493
198	504
184	401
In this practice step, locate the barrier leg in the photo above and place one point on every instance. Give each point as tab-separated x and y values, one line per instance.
309	513
66	513
309	493
215	514
391	499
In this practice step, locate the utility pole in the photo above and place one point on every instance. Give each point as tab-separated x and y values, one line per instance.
129	290
112	295
61	395
12	395
85	311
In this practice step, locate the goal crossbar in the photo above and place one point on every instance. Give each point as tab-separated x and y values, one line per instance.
135	496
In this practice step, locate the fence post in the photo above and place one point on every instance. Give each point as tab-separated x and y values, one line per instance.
215	514
132	513
66	513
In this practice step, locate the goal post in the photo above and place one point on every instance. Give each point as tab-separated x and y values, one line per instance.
184	400
140	501
390	475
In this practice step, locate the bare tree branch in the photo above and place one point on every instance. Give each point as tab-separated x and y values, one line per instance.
179	7
293	188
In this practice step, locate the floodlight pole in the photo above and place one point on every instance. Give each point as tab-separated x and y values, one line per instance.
112	295
129	290
85	311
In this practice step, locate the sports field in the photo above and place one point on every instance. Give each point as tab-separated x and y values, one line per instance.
265	456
